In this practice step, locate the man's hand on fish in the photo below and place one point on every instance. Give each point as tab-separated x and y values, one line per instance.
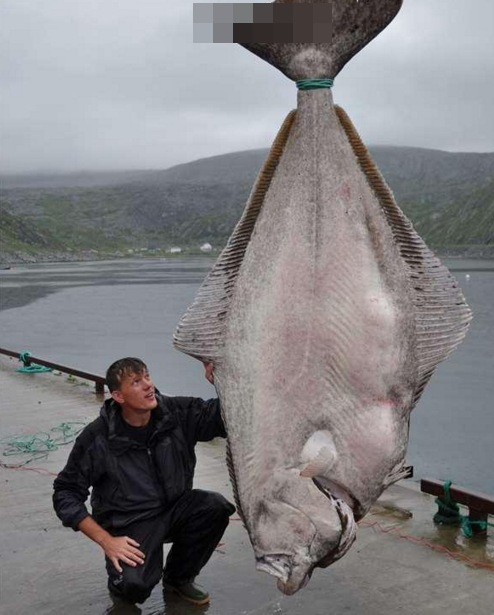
208	371
122	549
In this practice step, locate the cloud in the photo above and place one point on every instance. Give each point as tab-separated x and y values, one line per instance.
120	84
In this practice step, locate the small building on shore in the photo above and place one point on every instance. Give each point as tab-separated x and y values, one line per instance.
175	250
206	247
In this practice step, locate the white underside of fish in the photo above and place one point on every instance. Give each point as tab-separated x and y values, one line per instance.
325	316
320	334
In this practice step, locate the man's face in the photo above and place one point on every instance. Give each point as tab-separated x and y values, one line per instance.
136	392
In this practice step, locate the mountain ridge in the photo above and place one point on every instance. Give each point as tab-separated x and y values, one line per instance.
449	197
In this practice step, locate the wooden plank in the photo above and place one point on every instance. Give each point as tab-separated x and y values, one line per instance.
480	502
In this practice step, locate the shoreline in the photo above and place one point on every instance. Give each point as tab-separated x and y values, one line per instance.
19	288
6	261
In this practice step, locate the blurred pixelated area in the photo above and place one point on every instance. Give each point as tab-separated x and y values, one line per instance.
298	22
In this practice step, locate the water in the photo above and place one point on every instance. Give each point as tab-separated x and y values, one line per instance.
86	315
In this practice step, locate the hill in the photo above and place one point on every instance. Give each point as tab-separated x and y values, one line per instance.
448	196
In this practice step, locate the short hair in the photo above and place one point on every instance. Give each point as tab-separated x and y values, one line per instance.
121	368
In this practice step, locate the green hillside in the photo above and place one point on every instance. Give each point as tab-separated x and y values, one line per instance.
448	196
467	220
20	236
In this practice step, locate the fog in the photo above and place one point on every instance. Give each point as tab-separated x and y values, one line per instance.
120	84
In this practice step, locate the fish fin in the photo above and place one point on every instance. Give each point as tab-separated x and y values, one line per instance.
398	473
233	480
348	533
354	25
442	315
320	464
200	331
348	517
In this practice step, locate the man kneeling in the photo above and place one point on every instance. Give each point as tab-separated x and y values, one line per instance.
139	458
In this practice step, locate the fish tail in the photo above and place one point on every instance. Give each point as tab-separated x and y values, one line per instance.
352	25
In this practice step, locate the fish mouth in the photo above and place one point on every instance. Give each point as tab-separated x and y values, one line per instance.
277	564
281	566
290	588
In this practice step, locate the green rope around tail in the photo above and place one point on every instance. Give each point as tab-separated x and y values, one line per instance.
30	368
314	84
449	513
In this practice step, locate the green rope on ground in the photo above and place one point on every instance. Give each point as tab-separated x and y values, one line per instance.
39	444
314	84
30	368
449	513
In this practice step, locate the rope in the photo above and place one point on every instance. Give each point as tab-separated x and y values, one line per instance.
30	368
449	513
42	471
432	545
41	443
314	84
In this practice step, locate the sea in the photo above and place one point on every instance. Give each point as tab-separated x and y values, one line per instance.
88	314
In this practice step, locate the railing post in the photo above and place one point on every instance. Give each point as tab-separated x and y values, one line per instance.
98	380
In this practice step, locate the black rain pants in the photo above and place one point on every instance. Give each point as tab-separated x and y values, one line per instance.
194	525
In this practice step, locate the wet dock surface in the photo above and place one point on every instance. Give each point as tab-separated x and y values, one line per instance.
47	569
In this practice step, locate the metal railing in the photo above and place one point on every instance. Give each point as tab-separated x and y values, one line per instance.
480	505
99	381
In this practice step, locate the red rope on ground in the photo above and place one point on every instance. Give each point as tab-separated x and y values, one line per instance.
435	547
42	471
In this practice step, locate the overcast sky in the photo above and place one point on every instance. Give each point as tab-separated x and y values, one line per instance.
119	84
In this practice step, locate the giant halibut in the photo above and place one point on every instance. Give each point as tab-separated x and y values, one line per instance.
325	316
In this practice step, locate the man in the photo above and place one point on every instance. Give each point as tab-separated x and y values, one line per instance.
139	458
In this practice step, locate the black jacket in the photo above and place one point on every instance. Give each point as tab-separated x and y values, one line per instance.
133	481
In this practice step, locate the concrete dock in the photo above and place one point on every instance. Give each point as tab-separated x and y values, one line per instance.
46	569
